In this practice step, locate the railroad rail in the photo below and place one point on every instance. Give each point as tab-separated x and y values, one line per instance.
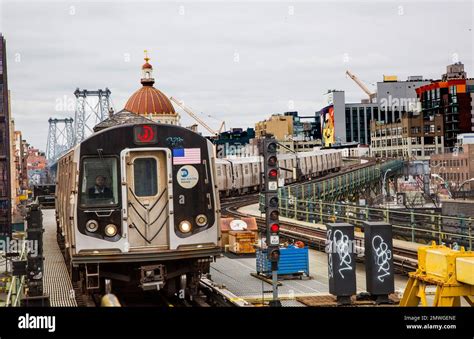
408	225
210	294
405	260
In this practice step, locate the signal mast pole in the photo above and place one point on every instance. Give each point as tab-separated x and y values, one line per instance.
270	189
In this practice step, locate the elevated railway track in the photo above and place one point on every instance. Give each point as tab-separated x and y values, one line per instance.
405	259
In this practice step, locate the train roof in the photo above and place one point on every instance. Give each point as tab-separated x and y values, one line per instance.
121	118
242	160
283	156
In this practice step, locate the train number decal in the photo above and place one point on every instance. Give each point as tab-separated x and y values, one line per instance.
145	134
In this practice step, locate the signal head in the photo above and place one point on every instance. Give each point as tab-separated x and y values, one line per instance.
272	147
272	161
274	228
274	215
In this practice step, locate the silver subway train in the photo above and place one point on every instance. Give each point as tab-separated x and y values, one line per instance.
242	175
138	204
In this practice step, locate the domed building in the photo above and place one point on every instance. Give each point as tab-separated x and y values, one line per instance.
151	102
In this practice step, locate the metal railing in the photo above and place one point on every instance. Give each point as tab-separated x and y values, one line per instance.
331	188
411	225
17	283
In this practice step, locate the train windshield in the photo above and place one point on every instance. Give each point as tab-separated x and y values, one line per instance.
99	182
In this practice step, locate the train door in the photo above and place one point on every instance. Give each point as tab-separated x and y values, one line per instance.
228	177
309	165
314	165
255	175
238	177
304	167
246	177
146	199
220	170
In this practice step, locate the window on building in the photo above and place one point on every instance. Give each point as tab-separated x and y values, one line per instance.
355	125
389	116
362	125
348	125
368	119
396	116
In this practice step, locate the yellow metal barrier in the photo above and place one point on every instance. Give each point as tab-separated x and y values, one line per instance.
110	300
451	271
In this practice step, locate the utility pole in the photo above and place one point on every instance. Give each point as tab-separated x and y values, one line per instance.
270	189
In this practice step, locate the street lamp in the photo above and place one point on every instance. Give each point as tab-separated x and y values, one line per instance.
462	184
434	175
384	189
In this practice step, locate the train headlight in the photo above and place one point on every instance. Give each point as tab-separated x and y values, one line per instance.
110	230
201	220
185	226
92	225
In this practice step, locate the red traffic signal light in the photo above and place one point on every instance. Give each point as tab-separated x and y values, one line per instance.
273	173
274	228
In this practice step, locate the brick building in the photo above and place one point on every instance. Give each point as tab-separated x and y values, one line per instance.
5	149
451	97
412	137
281	126
455	167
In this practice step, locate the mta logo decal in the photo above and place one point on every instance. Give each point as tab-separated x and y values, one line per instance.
184	173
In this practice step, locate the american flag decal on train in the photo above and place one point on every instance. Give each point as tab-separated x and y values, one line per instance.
186	156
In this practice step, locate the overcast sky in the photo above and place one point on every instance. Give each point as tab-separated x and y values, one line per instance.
238	62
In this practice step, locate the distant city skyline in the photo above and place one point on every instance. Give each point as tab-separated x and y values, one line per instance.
239	62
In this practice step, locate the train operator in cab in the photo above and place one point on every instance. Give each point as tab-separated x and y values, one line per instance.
100	191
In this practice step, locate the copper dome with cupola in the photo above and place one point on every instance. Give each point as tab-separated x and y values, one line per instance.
151	102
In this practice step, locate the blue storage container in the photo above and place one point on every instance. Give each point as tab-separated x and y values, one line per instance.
292	261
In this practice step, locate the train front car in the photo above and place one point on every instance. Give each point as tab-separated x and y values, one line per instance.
147	208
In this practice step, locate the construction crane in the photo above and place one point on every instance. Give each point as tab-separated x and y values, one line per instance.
222	127
362	86
194	116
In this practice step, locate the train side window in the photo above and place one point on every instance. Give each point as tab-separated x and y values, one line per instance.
145	180
99	182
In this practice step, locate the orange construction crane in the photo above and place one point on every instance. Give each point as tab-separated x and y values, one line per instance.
371	95
193	115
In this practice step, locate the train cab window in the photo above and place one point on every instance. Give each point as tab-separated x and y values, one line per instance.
99	182
145	181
